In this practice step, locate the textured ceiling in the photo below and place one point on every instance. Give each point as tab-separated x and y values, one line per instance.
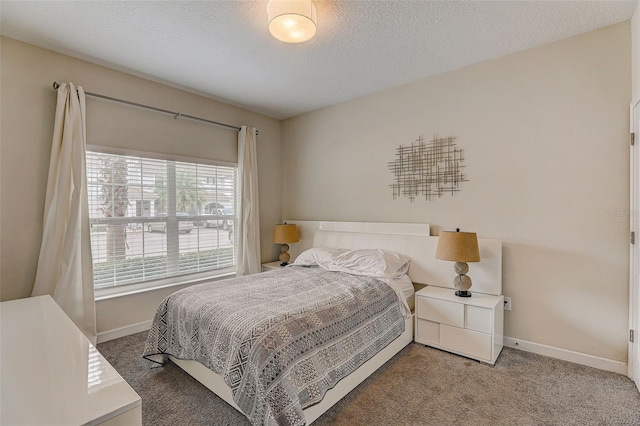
222	49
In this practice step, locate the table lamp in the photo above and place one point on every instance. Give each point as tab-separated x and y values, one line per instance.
285	234
459	247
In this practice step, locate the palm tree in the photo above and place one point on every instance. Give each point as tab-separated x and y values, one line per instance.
114	197
160	190
188	199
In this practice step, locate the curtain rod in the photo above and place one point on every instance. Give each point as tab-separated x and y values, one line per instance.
176	115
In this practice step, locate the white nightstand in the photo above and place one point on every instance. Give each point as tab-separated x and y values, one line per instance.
271	265
468	326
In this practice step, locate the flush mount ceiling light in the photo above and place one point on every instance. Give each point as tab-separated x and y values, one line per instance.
292	21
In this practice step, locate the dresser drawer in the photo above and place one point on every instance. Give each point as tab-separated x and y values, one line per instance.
440	311
468	342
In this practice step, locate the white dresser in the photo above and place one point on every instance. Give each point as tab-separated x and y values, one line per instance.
52	375
468	326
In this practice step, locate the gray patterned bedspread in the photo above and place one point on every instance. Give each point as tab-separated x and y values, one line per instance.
280	339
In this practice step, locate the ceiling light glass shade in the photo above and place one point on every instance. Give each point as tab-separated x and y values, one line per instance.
292	21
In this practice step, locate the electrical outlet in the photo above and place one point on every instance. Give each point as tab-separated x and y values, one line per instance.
507	303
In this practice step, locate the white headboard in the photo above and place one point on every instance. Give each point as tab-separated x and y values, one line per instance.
411	240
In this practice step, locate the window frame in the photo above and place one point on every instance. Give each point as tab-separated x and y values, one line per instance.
176	280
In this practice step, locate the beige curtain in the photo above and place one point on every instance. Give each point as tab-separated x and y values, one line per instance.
249	229
65	269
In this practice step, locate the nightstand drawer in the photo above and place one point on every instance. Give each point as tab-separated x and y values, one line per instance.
427	332
467	342
440	311
478	319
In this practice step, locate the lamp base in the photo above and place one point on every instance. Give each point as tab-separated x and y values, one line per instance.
284	256
463	293
462	283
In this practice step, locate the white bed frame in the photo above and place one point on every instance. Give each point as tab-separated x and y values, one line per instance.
412	240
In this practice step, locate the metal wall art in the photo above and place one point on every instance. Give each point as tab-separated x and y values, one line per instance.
427	169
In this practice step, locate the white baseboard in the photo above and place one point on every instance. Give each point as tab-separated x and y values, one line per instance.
510	342
127	330
566	355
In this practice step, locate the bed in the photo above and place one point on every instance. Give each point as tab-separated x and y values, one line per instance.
386	328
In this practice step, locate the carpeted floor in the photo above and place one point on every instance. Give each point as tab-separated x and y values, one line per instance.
419	386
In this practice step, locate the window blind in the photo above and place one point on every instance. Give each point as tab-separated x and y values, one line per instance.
156	219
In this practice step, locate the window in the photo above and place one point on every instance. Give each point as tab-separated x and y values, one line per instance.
158	221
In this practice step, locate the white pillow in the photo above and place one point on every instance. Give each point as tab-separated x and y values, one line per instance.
367	262
317	256
371	263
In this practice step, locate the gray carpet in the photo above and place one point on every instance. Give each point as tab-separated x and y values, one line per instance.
419	386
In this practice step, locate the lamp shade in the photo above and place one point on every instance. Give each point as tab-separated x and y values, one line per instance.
284	234
292	21
458	246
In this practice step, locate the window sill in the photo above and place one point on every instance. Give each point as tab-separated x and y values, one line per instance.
115	292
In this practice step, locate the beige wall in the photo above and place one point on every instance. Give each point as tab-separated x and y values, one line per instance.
27	111
635	53
545	135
